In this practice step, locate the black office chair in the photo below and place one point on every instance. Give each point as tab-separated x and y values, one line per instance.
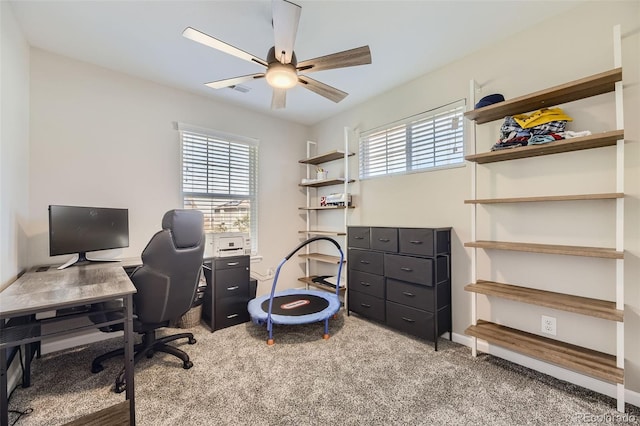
166	285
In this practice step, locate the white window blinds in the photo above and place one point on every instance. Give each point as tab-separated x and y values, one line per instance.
432	139
219	178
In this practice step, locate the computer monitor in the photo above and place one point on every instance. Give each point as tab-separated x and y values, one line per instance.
78	230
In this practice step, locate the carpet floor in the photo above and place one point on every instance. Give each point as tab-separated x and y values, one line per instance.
365	374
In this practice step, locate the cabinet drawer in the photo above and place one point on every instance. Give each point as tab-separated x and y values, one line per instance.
424	241
231	283
231	312
366	261
366	305
231	262
358	236
406	268
385	239
367	283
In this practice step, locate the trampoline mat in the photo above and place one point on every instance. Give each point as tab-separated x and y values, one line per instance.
296	304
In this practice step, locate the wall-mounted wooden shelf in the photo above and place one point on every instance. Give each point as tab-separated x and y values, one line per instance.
592	363
321	257
598	140
564	302
324	182
577	197
309	281
326	157
328	233
603	252
326	208
596	84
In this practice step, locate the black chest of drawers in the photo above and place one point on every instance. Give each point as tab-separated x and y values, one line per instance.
228	291
401	277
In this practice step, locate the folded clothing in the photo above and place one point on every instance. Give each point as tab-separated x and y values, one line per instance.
541	116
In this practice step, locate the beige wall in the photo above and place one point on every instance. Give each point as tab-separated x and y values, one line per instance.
103	138
14	147
571	46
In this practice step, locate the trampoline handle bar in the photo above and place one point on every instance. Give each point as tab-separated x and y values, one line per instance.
311	240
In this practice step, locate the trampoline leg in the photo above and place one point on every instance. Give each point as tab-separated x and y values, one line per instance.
325	336
270	342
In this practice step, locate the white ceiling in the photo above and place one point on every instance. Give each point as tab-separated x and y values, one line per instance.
407	39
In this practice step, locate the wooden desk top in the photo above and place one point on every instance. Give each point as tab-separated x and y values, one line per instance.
55	289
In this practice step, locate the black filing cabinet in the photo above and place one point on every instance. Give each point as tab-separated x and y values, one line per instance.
228	291
401	277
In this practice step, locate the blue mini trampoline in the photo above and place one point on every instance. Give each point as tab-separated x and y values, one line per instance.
296	306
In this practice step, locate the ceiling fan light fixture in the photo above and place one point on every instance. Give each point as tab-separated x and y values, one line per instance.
281	76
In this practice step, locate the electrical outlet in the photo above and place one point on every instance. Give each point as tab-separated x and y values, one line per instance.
549	325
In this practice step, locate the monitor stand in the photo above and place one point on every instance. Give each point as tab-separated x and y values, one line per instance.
81	259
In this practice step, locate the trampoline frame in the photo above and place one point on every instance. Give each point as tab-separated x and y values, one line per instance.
257	312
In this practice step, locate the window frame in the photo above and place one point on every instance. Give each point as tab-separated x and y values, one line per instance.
399	157
223	138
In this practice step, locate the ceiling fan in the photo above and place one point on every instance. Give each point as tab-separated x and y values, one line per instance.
282	66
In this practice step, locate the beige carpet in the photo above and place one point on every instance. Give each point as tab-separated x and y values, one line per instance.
365	374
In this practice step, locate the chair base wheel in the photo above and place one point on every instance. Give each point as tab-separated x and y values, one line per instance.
96	368
120	387
192	341
187	365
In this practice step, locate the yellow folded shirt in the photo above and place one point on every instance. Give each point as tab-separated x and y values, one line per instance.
541	116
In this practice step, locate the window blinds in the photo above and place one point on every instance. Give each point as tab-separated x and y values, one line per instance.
429	140
219	178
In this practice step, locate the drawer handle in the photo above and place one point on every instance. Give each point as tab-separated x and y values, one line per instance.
406	293
366	284
364	305
232	316
233	263
384	240
235	287
365	262
358	238
415	242
408	319
406	269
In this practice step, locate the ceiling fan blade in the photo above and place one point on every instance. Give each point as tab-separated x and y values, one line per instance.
207	40
322	89
286	16
348	58
279	98
233	81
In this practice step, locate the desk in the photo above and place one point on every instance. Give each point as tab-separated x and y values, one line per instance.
54	289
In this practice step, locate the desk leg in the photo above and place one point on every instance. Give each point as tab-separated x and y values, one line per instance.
4	392
128	357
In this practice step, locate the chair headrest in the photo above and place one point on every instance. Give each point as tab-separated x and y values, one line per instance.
186	226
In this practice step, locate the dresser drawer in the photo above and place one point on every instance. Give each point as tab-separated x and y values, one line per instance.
414	295
384	239
358	236
366	305
418	296
230	283
406	268
424	241
418	322
366	261
411	320
365	282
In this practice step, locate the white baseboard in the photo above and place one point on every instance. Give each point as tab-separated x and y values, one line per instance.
595	385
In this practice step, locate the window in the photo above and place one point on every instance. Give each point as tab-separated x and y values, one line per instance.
430	140
219	178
